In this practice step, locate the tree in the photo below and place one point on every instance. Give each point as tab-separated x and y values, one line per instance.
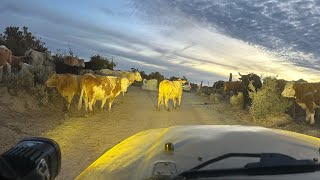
18	41
98	62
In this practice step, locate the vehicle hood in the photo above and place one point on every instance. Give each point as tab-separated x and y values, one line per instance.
134	158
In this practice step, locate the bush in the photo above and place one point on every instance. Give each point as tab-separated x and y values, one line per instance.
268	102
98	62
41	73
19	40
215	97
23	80
237	100
40	94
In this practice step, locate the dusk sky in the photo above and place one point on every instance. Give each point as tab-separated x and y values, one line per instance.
201	39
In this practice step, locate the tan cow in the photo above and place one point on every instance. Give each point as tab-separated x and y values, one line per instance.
5	60
95	87
66	84
170	90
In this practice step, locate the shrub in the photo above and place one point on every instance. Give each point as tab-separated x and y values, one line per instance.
215	97
41	73
268	102
237	100
23	80
40	94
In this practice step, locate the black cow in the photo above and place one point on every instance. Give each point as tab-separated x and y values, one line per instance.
246	79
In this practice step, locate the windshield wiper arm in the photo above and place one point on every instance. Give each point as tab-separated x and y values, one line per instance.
269	164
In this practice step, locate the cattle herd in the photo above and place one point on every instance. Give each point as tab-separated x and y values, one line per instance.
108	84
90	85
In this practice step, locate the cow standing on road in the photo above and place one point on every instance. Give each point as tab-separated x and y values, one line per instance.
95	87
5	60
170	90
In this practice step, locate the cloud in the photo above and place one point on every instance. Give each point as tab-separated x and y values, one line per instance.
204	40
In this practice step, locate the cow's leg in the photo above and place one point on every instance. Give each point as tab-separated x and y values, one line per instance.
159	101
80	99
311	112
110	103
179	100
86	103
307	115
103	102
312	118
91	102
122	93
174	103
166	99
69	99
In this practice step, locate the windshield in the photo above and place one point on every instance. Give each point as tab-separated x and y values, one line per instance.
92	74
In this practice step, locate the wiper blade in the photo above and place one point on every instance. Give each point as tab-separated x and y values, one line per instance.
270	164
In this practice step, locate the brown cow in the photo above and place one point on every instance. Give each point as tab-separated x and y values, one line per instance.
95	87
234	86
5	60
66	84
307	95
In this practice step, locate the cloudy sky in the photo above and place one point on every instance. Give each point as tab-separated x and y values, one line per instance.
201	39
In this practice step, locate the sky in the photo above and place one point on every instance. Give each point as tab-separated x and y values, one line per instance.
200	39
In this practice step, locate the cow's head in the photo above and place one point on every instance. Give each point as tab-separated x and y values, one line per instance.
289	90
53	80
137	76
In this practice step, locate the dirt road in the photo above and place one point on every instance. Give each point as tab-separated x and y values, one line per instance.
84	139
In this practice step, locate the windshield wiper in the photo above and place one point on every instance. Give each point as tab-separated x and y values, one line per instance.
269	164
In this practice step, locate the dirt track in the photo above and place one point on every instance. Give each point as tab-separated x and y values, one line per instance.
84	138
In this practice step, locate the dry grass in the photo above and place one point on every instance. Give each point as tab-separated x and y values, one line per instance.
237	101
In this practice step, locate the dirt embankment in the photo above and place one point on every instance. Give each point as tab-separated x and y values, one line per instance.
84	138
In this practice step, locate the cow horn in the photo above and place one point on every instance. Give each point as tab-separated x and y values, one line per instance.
239	73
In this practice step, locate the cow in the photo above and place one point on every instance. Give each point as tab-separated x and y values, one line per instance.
66	84
95	87
307	95
170	90
5	60
39	58
234	86
246	80
73	61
